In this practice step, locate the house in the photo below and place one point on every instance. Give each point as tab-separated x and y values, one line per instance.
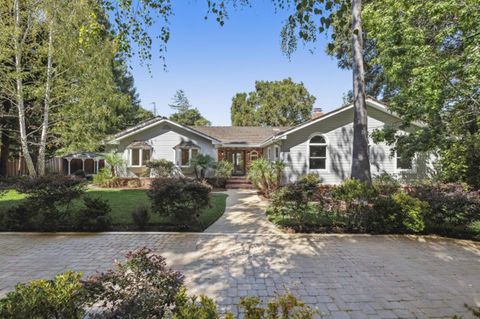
322	145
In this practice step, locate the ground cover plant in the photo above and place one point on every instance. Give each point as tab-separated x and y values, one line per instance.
123	202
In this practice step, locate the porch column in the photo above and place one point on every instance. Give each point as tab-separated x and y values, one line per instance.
69	160
83	164
96	165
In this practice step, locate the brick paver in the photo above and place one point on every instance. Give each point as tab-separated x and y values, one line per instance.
343	276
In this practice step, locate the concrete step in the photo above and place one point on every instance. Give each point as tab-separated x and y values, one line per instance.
239	186
238	181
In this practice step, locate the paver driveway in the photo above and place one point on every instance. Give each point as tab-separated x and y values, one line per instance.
343	276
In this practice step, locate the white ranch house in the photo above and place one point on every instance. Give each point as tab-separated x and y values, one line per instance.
322	145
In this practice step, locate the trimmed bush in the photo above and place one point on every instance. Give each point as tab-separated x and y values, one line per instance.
141	216
162	168
180	198
386	184
95	216
62	297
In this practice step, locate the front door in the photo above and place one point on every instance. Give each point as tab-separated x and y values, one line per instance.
238	160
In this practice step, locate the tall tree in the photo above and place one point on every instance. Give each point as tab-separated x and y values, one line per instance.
273	103
429	53
186	114
307	19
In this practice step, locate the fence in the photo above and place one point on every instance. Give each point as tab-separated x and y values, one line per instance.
17	167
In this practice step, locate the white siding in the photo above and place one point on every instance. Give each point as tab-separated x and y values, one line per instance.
163	138
338	131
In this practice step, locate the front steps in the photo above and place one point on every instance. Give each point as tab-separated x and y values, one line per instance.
239	182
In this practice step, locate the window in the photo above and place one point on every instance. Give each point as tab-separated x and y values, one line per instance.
403	163
318	152
145	157
269	154
186	155
139	156
277	152
253	156
135	157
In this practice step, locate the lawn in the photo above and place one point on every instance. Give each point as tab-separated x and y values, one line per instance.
124	201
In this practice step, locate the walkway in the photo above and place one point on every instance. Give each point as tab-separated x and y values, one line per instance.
245	213
349	276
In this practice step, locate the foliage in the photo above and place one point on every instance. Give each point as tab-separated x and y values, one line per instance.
141	287
94	216
412	211
115	161
224	169
63	297
193	307
452	208
201	163
103	178
186	114
141	216
162	167
273	103
428	54
353	190
266	176
180	198
80	173
385	184
284	306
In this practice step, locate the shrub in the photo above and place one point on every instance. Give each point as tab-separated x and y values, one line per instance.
18	218
474	227
141	287
192	307
141	216
284	306
162	167
115	161
103	178
386	184
266	176
452	208
201	163
62	297
224	169
412	211
80	173
134	183
95	216
179	198
353	190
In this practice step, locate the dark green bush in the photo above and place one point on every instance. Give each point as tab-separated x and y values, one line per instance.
353	190
141	216
452	208
141	287
180	198
162	168
64	297
95	216
386	184
80	173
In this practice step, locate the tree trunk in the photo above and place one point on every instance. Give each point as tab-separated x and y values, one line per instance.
19	94
360	160
4	152
46	104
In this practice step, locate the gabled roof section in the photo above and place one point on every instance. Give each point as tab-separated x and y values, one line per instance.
154	122
370	102
240	135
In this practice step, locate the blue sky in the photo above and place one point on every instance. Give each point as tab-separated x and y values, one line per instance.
213	63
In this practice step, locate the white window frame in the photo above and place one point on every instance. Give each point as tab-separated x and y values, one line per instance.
269	153
178	156
327	153
254	154
404	170
276	156
140	157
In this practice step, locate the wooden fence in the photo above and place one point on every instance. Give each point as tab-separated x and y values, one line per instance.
17	167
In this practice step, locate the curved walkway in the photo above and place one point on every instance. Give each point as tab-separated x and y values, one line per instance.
245	213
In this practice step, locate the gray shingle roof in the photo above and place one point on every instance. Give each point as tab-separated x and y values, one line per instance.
241	135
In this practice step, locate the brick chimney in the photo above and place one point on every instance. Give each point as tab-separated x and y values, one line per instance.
316	113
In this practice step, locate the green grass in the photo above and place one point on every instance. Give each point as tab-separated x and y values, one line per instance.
124	201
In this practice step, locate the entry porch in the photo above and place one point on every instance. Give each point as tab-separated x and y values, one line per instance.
240	157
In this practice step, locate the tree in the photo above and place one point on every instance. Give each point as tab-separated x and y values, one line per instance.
428	51
273	103
186	114
305	22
